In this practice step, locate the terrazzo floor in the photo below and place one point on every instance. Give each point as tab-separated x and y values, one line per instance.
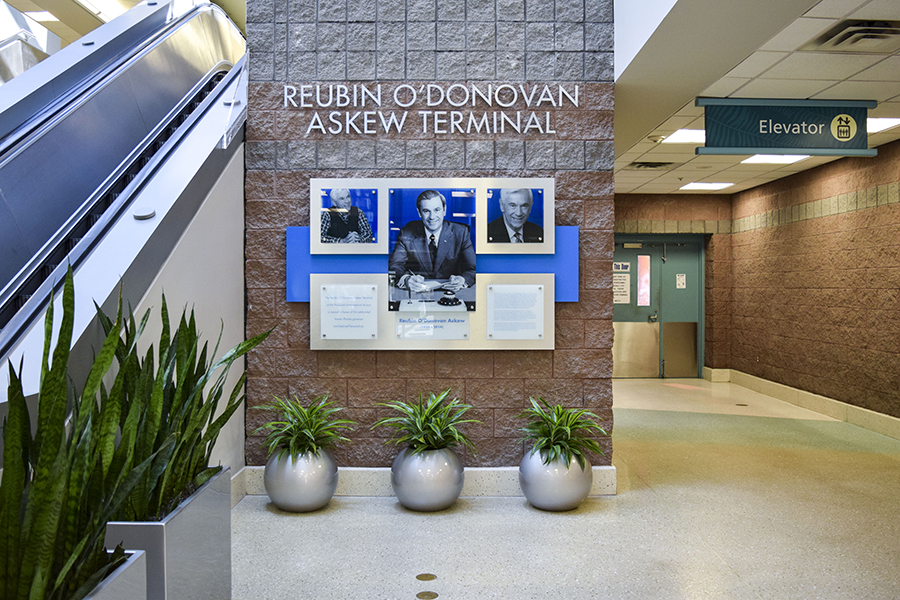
722	493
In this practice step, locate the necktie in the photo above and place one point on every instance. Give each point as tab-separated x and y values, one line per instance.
432	247
518	238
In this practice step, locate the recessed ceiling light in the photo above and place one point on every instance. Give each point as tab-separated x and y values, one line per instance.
707	187
875	124
686	136
774	159
41	16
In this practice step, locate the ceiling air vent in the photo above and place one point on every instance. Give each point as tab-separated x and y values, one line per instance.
874	37
651	166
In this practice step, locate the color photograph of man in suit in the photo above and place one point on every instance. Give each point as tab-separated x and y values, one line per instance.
513	226
433	248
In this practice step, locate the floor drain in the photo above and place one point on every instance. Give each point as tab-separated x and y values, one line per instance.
427	595
426	577
742	405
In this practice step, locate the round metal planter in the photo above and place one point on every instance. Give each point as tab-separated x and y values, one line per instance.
553	486
302	484
428	481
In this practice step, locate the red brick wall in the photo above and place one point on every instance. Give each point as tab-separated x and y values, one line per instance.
816	302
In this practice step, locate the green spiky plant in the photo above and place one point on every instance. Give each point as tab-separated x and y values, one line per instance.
303	429
560	433
428	423
180	398
61	486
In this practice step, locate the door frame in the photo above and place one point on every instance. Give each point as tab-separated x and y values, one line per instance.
675	238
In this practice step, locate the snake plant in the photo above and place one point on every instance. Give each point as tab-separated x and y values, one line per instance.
177	399
62	485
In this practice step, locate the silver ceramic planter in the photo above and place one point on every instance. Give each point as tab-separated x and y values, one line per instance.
429	481
553	486
303	484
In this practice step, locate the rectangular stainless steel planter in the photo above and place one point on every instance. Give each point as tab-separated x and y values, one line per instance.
188	552
128	581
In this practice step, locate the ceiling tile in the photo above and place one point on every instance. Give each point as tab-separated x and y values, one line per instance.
886	109
798	33
878	139
756	63
725	87
861	90
834	9
690	110
886	70
821	66
878	9
783	88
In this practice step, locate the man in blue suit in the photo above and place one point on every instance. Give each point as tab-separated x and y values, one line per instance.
433	248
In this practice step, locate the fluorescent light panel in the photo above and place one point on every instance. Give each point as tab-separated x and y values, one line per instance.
774	159
705	187
876	124
686	136
41	16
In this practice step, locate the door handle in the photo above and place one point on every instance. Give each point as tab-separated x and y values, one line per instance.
653	318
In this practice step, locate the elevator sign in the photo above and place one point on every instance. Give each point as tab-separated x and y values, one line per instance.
753	126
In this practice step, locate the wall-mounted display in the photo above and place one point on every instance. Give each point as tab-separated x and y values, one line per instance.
429	329
515	216
515	312
348	312
348	216
518	217
432	327
429	233
432	257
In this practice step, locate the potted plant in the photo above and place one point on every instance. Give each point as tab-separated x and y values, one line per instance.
427	475
556	474
301	474
180	510
62	484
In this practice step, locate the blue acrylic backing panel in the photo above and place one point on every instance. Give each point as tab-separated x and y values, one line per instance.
563	263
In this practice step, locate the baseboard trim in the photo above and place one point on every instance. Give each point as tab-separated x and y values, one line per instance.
376	481
855	415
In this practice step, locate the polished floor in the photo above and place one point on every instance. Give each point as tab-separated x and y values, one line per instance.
722	493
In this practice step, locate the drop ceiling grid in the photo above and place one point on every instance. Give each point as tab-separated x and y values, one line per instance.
776	70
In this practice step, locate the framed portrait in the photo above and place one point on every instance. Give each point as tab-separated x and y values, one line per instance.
431	266
518	217
347	216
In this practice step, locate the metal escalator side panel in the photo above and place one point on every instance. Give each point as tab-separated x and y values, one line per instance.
12	237
42	86
224	37
167	74
47	182
61	169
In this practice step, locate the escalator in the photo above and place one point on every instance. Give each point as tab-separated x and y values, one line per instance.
83	133
136	121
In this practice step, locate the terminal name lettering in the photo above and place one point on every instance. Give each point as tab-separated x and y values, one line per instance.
481	107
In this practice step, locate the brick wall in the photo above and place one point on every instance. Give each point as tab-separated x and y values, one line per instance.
802	276
816	273
394	42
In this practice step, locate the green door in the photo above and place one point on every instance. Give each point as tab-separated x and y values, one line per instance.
658	306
